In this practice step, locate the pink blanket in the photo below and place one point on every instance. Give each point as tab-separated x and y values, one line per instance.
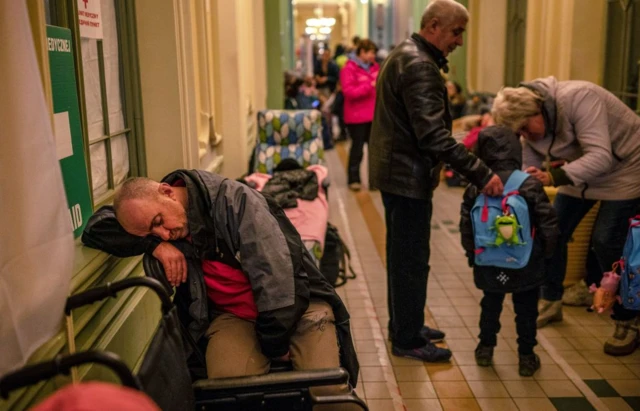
310	217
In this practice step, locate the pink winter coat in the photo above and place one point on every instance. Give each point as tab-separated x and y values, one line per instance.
358	87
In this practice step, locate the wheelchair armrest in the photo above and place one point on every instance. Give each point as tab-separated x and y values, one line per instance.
292	380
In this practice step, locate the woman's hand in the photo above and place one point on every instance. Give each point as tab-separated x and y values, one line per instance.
543	176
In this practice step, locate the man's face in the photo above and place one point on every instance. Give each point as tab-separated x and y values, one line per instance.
447	37
162	216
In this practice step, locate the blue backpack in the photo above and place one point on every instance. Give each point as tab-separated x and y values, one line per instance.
630	281
501	228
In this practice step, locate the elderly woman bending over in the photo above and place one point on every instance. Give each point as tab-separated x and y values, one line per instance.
581	138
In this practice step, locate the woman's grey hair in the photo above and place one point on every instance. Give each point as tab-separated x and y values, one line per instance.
446	11
513	105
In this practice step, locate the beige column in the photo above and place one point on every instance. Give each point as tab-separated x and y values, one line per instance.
486	45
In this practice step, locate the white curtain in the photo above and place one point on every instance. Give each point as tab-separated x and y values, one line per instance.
36	240
95	119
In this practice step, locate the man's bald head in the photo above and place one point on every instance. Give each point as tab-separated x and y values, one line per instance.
135	188
145	207
446	11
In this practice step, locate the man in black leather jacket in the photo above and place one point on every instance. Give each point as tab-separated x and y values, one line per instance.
411	134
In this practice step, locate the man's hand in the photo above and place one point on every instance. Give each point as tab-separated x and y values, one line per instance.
173	261
494	187
543	176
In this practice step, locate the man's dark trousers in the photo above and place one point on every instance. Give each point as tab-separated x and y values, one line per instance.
408	223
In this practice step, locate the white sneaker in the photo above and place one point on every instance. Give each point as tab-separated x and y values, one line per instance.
578	295
549	311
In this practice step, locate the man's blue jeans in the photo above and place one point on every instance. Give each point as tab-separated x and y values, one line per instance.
607	239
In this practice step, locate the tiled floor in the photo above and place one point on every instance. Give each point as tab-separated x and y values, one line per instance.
575	373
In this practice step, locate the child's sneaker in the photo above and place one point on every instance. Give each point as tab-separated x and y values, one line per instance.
529	364
484	355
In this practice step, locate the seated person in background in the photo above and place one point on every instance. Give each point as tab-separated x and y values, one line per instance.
500	149
456	99
301	94
256	294
471	139
475	104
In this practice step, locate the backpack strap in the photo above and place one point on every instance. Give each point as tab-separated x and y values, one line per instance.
514	182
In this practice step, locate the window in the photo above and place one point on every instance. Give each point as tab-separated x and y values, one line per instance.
109	94
623	50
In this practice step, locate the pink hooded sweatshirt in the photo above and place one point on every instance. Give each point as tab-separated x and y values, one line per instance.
358	87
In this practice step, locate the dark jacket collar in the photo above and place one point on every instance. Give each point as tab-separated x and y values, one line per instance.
432	50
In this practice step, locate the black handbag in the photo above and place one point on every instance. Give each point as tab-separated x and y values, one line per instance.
335	264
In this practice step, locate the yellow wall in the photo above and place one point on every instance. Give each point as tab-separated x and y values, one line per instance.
565	39
203	69
486	43
589	39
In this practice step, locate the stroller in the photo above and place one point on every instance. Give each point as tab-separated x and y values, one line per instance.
164	375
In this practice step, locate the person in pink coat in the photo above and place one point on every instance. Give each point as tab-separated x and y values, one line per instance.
358	81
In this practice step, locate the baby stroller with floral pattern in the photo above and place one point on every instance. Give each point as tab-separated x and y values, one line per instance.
285	136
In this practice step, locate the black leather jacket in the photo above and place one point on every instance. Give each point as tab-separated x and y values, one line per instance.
411	130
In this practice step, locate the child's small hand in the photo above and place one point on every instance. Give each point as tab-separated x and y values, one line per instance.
543	176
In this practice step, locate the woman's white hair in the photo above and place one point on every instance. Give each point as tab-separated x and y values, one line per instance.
513	105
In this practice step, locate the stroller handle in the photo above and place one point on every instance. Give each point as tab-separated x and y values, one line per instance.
93	295
62	364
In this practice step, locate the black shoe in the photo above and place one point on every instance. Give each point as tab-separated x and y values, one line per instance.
431	334
484	355
426	353
529	364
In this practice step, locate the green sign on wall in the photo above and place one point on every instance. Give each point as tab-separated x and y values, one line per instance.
67	128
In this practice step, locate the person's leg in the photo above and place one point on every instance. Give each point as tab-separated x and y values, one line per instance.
491	305
491	308
233	349
570	211
610	230
525	305
314	345
408	230
389	202
367	133
357	133
609	235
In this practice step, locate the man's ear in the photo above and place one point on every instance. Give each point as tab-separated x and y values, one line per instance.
433	24
166	190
